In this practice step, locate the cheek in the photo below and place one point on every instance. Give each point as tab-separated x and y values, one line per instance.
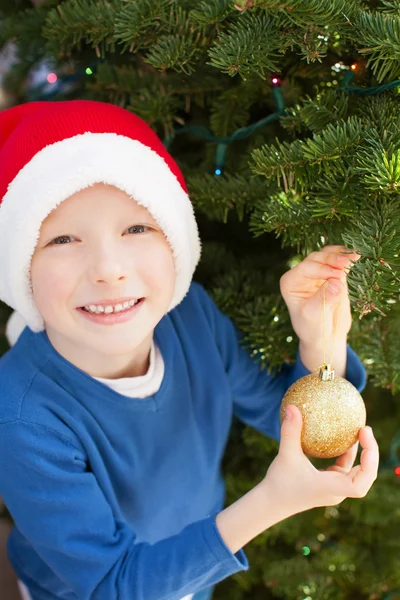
159	269
50	284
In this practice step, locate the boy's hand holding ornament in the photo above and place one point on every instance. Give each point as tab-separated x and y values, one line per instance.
333	411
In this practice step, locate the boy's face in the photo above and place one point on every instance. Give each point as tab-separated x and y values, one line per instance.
101	256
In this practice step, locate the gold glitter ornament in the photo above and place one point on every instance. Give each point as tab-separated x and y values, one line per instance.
333	410
333	413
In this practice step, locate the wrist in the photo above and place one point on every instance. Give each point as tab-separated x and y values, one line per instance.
281	505
312	354
249	516
318	344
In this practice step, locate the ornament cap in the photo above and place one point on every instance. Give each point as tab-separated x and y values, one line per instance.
326	373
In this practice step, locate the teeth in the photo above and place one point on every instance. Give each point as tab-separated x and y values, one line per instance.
93	308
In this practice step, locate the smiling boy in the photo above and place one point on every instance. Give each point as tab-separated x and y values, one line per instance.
92	269
117	397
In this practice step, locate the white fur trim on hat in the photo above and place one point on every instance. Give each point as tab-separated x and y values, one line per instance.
66	167
14	327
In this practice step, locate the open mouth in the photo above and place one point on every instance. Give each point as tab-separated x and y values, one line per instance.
113	312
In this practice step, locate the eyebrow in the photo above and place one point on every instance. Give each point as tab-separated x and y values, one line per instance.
63	227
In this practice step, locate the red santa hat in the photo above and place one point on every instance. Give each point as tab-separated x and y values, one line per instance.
51	150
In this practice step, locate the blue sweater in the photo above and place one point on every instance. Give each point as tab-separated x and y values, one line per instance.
115	497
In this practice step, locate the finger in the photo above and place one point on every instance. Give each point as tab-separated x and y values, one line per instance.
342	262
345	462
309	269
339	260
347	459
290	442
363	476
341	250
316	271
333	289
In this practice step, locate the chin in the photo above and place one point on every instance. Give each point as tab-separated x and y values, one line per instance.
117	344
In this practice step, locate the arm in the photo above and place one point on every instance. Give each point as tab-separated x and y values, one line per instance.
57	505
249	516
257	396
95	556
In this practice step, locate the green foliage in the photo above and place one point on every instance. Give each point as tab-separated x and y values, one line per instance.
376	342
303	161
80	22
376	239
381	32
212	12
315	113
319	13
177	50
326	172
249	46
217	198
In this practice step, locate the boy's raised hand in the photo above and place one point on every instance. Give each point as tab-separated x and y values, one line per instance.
298	485
301	289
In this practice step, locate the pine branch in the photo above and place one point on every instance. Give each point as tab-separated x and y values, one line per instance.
334	198
300	162
217	196
137	24
375	340
382	113
316	113
374	280
230	109
177	52
390	7
283	161
182	47
212	12
75	21
263	320
381	35
378	160
290	216
313	12
25	28
244	295
332	143
249	46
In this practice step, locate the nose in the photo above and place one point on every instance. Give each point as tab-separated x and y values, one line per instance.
108	265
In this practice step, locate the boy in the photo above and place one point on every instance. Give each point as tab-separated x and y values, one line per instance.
116	400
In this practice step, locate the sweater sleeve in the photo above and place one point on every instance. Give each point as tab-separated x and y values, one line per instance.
58	506
257	395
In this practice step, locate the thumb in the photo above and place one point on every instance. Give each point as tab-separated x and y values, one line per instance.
290	442
333	290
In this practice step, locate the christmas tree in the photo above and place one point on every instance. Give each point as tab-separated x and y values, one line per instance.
284	117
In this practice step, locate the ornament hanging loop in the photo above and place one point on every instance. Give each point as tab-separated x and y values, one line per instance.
326	373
